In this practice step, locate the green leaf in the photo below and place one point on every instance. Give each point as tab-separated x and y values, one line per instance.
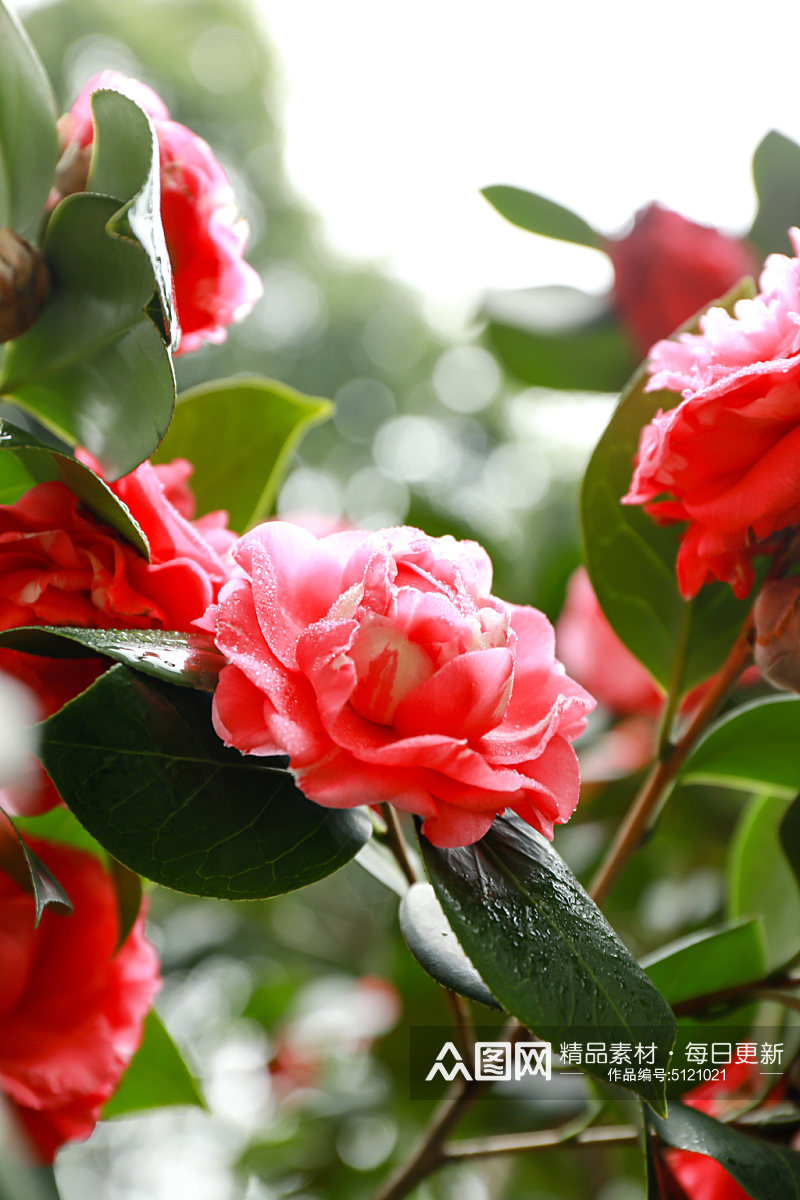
125	165
559	337
765	1170
537	214
94	368
157	1076
240	434
708	961
431	940
379	862
776	175
128	891
789	833
27	869
41	463
60	825
185	659
140	765
28	142
631	559
761	882
543	949
754	748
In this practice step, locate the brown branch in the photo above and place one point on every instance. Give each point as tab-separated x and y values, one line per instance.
543	1139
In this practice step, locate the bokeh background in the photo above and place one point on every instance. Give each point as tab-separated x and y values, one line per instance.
357	138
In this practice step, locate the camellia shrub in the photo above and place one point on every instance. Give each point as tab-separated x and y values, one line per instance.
233	707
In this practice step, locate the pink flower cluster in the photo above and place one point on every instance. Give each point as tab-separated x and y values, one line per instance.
205	235
387	671
726	460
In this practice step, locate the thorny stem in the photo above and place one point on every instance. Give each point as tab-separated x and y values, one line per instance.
637	820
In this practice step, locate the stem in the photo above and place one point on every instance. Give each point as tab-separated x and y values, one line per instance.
637	820
461	1017
757	988
674	691
396	842
517	1143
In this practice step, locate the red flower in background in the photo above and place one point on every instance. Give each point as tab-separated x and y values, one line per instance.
60	565
667	268
382	665
726	460
205	235
72	1005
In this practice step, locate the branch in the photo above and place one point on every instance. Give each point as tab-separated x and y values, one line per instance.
543	1139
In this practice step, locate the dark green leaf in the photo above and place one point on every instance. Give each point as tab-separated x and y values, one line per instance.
789	833
776	174
28	871
539	215
708	961
543	948
766	1171
157	1076
559	337
631	559
185	659
435	947
754	748
28	142
139	764
125	165
128	890
41	463
761	882
94	368
240	434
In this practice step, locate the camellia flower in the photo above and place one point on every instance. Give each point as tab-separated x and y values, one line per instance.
667	268
205	234
72	1006
701	1177
60	565
727	459
386	670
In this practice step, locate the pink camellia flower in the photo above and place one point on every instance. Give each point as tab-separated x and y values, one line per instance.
60	565
205	234
726	460
386	670
72	1005
667	268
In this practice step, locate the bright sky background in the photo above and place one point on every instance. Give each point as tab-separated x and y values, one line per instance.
397	114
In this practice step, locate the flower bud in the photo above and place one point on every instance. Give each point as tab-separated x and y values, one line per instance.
24	285
777	627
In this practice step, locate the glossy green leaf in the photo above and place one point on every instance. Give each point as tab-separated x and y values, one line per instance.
538	214
559	337
760	880
40	463
185	659
125	165
379	862
631	559
157	1076
240	434
128	891
431	940
765	1170
28	871
543	949
140	765
94	368
754	748
28	142
776	175
789	833
708	961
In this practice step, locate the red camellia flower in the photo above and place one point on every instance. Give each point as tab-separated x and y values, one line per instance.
701	1177
60	565
667	268
727	459
71	1004
205	234
386	670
